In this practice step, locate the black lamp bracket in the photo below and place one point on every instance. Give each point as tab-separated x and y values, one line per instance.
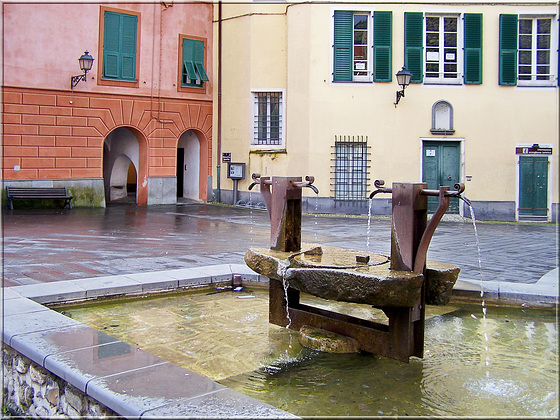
400	94
77	79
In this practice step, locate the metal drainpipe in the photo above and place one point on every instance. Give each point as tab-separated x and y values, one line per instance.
219	151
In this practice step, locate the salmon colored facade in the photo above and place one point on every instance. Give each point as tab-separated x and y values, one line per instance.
142	133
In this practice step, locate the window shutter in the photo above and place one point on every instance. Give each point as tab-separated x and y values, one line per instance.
188	65
198	59
343	42
508	50
128	46
473	48
413	49
111	27
382	46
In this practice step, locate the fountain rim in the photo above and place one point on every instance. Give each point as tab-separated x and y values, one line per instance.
159	282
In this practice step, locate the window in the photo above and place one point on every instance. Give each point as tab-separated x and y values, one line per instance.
350	168
444	48
120	31
268	111
362	49
441	49
193	73
527	49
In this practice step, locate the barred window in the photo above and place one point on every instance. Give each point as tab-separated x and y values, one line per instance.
351	159
267	118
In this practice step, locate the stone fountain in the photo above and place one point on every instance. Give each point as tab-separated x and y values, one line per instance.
400	285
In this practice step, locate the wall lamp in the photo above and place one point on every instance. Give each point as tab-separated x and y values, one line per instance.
86	61
403	79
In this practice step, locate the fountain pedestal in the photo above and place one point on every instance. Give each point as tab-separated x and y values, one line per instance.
401	289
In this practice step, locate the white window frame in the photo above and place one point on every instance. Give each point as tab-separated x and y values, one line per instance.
356	10
369	61
441	80
282	124
553	75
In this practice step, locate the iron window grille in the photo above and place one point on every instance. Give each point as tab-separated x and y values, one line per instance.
350	169
268	118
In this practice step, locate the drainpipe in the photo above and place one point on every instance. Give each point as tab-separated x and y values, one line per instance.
219	151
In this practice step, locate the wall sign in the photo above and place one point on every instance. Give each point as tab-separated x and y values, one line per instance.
533	150
226	157
236	170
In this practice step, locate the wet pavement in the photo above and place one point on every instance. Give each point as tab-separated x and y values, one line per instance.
47	245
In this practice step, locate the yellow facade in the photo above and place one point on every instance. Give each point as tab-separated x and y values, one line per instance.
288	48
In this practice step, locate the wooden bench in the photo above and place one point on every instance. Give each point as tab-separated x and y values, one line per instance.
34	193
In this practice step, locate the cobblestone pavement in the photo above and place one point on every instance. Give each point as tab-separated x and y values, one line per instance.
51	245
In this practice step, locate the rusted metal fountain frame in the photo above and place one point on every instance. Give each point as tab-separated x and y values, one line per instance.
411	234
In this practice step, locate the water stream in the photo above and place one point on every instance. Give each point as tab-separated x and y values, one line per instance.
483	303
369	223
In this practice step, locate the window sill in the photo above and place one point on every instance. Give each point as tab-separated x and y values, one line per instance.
442	132
429	83
263	151
117	82
353	81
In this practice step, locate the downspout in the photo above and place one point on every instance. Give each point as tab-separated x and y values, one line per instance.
219	151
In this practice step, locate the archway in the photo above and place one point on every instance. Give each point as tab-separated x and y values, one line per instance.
124	158
188	166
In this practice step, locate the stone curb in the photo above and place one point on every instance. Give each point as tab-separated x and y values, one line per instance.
543	292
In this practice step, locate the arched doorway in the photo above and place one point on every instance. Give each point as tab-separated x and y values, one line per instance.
124	152
188	166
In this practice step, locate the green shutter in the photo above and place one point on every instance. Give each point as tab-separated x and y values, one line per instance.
508	50
188	64
413	45
473	48
382	46
128	46
111	32
198	59
343	43
119	46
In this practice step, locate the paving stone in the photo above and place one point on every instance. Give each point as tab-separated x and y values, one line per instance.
32	322
39	345
78	367
135	392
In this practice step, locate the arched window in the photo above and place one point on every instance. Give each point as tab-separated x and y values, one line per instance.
442	118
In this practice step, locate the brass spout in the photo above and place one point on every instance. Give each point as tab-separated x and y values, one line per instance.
313	187
308	184
466	200
378	183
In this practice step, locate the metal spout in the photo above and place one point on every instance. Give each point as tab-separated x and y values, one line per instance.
378	183
308	184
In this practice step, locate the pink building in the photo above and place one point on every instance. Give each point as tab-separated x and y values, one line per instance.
141	122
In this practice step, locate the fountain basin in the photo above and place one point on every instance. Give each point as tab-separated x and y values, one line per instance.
336	274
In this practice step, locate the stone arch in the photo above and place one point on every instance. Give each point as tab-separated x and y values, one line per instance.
195	145
121	147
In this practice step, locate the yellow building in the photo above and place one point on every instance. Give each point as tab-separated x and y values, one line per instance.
310	89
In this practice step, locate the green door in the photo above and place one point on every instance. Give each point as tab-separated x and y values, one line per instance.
533	185
441	165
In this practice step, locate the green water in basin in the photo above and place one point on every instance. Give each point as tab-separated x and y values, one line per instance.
503	364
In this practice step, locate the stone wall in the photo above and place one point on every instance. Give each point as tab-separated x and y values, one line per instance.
31	390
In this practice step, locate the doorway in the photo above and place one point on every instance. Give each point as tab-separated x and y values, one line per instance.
441	166
533	186
180	170
121	159
188	166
